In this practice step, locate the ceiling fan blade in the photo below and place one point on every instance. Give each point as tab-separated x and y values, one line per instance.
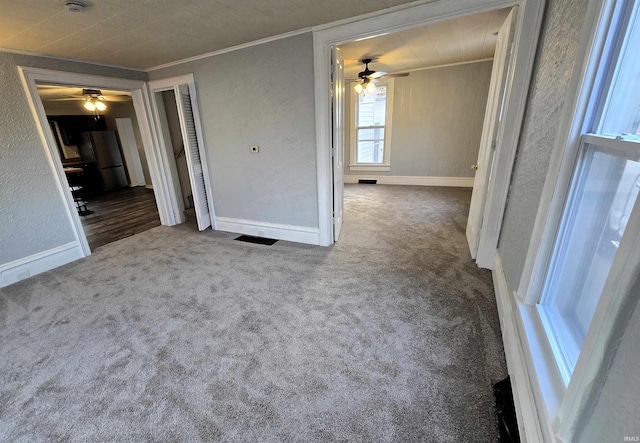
402	74
378	74
60	99
117	98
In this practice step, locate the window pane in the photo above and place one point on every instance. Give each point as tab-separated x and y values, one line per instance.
595	219
371	134
370	151
622	113
372	107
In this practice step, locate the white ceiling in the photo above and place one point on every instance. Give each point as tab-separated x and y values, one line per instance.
452	41
146	33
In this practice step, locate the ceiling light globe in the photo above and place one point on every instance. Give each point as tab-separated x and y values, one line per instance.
371	88
358	87
89	106
100	106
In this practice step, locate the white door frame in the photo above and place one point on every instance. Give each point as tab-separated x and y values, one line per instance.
491	132
339	89
31	76
171	84
524	50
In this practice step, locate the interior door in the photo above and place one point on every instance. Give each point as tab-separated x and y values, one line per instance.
337	108
196	161
490	131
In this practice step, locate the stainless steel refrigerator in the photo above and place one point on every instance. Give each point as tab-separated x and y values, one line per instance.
102	147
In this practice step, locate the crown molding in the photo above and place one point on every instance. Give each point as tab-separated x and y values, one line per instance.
231	49
67	59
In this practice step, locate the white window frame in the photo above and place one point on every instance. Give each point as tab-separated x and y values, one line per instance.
353	131
565	350
565	409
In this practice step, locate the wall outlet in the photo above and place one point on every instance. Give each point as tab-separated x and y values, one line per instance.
255	149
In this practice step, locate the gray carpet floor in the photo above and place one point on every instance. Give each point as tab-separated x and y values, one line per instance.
390	335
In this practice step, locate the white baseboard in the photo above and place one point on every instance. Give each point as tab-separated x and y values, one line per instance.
523	396
22	268
148	186
463	182
294	233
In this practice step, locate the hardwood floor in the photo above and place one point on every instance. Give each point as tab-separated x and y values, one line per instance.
119	214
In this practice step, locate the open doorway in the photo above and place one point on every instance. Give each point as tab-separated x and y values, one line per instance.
525	34
182	150
100	148
414	104
31	78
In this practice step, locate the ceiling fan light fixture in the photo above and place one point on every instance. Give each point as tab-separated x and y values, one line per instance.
94	101
370	87
358	87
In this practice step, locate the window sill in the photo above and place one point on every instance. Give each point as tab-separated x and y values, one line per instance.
365	167
547	384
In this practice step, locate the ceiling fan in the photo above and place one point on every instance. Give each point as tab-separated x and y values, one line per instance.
54	93
367	76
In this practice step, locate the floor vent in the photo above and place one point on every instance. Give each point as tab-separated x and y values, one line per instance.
507	422
366	181
256	240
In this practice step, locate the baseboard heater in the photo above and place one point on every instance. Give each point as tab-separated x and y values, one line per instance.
367	181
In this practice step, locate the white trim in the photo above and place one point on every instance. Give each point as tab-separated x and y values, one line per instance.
364	167
171	84
523	396
612	316
624	147
148	186
22	268
293	233
230	49
523	54
166	84
407	180
525	45
67	59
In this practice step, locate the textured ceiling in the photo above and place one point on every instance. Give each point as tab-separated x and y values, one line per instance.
146	33
452	41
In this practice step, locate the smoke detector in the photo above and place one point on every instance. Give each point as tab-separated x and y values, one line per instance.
74	6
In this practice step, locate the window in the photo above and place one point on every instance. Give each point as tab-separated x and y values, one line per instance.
601	199
370	148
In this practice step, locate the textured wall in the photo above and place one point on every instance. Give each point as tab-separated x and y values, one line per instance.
437	121
552	71
260	95
32	211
